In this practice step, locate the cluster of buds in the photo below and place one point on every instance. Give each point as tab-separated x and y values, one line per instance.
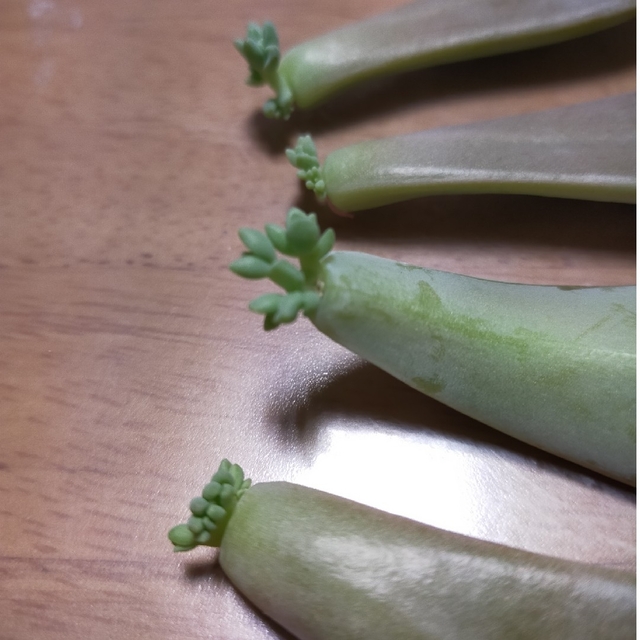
211	511
300	238
261	50
304	157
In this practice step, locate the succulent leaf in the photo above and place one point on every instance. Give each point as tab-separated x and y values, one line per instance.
250	266
309	302
284	274
288	309
258	244
267	303
324	244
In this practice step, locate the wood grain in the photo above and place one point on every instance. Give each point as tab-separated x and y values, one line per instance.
131	152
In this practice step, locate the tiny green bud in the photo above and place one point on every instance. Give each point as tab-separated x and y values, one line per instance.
301	161
267	303
320	188
306	162
293	215
228	497
270	109
181	536
308	145
223	476
195	525
269	34
254	32
211	492
292	156
208	524
203	537
216	513
238	475
254	53
198	506
288	308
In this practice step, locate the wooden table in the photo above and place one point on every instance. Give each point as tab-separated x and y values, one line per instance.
130	153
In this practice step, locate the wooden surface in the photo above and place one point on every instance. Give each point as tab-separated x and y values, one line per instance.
130	153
